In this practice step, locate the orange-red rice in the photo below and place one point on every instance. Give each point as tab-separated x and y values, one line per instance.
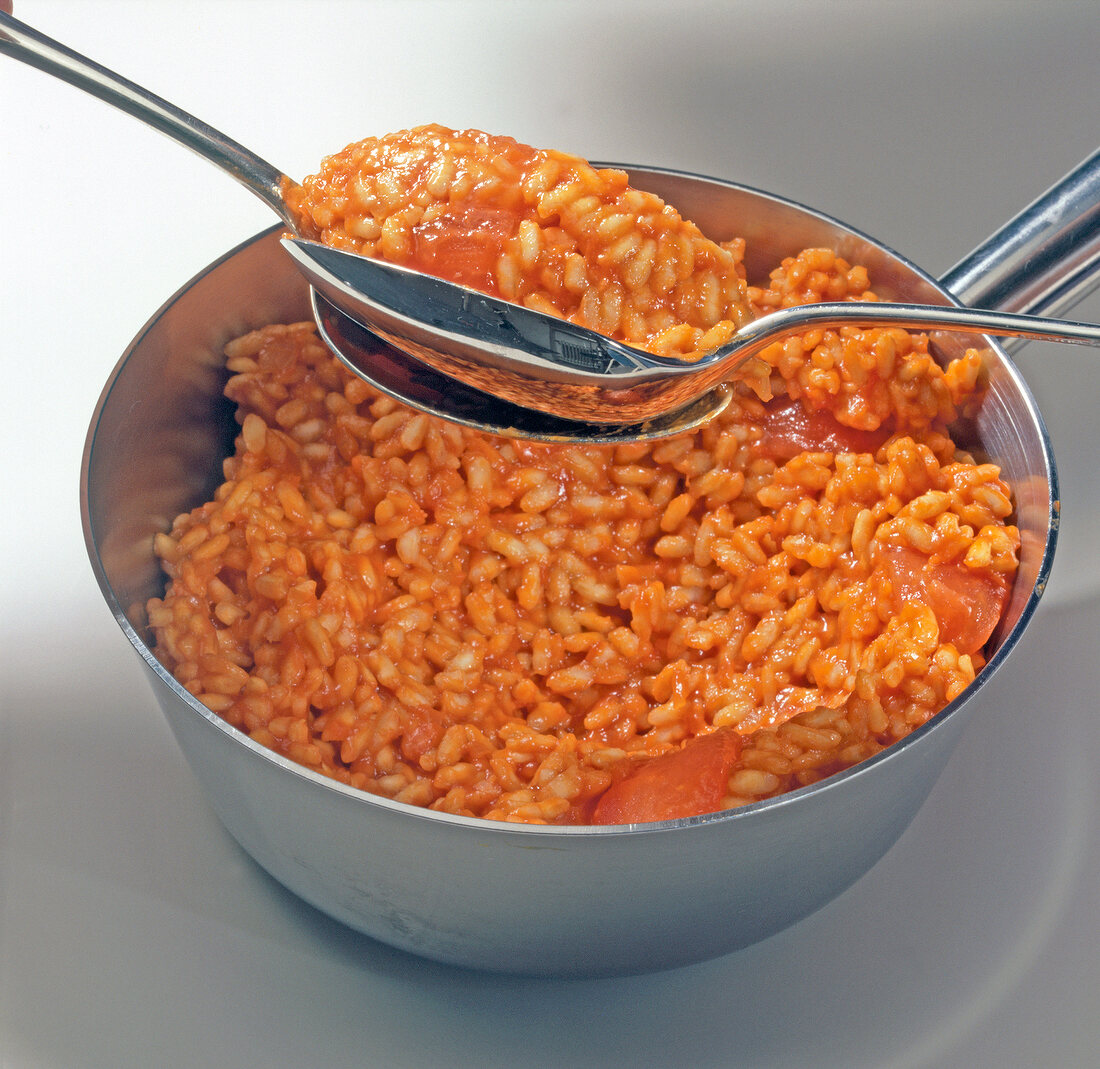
492	627
537	227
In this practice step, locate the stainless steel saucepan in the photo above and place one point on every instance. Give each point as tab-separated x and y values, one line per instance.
563	901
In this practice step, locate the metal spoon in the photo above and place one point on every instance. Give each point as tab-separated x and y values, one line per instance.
539	361
391	370
484	362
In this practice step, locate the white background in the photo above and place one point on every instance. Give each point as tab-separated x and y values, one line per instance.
133	931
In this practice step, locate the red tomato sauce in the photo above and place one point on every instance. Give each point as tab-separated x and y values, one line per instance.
464	245
789	430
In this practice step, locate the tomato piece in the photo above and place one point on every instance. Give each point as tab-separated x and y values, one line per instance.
422	734
790	702
967	604
686	783
464	244
789	430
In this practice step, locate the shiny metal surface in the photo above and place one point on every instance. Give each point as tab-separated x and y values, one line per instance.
536	900
1043	260
395	372
529	359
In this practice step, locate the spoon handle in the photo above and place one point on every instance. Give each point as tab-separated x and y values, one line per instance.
36	49
757	335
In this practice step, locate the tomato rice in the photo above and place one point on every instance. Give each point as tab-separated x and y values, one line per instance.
565	634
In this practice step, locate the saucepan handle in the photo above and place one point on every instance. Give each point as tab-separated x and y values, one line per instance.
1042	261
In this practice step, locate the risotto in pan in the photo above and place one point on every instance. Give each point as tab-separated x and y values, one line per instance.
585	634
